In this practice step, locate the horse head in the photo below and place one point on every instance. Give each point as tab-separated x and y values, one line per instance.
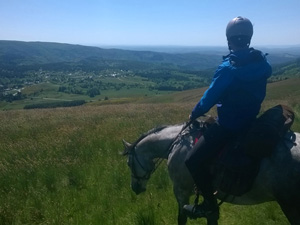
140	164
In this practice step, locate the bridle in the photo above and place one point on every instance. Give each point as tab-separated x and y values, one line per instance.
132	161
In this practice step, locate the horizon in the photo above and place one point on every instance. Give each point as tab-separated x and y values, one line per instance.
148	23
167	48
150	45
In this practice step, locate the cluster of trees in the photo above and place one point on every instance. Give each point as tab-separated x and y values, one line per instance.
55	104
177	80
92	92
9	97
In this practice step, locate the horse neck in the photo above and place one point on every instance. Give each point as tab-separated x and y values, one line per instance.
157	145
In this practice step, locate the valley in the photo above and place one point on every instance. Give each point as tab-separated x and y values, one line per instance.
39	73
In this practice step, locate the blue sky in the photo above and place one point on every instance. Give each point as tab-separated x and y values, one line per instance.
147	22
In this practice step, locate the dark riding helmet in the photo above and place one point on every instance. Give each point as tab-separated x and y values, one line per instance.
239	26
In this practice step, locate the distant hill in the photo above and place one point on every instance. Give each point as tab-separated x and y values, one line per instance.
18	53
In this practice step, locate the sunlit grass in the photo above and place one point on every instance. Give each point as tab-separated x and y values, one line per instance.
62	166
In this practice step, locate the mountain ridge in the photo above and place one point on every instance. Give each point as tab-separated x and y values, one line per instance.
27	53
19	53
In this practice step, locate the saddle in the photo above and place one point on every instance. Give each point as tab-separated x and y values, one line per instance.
237	166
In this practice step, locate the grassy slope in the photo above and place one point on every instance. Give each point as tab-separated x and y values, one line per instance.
62	166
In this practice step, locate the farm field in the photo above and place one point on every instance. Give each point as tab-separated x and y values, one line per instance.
63	165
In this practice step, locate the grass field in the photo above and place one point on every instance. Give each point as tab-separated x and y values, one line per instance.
62	166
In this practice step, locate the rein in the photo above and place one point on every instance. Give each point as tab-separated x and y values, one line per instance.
159	161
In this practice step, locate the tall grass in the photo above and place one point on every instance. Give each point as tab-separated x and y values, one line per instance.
62	166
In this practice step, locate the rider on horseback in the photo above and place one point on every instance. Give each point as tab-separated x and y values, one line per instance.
238	89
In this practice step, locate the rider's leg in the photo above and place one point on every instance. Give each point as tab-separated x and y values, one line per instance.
198	162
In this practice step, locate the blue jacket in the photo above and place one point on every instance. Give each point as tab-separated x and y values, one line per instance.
238	88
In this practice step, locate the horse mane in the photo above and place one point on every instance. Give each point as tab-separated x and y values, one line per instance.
152	131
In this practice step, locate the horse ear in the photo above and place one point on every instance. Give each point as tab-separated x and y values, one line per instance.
126	146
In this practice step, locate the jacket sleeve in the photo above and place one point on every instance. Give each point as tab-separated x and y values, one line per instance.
221	81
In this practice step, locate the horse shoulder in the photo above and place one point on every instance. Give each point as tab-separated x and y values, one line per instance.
178	172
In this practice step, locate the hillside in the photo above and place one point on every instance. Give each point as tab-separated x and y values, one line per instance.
62	166
291	69
16	53
283	91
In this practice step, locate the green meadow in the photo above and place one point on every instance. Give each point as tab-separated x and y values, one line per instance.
63	165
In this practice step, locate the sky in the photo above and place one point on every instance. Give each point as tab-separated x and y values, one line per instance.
147	22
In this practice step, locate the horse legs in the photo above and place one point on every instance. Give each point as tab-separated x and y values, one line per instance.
212	221
291	210
182	218
182	198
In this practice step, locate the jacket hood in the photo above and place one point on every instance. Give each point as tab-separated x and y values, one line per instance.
249	65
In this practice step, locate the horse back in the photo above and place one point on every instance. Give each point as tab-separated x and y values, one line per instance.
277	177
279	174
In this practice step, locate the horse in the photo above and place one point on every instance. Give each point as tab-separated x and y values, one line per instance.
278	178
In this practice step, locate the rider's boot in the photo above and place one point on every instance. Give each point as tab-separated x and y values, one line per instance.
209	209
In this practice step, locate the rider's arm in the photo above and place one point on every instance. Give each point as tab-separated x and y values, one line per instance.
221	81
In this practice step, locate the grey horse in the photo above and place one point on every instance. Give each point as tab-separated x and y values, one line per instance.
278	178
